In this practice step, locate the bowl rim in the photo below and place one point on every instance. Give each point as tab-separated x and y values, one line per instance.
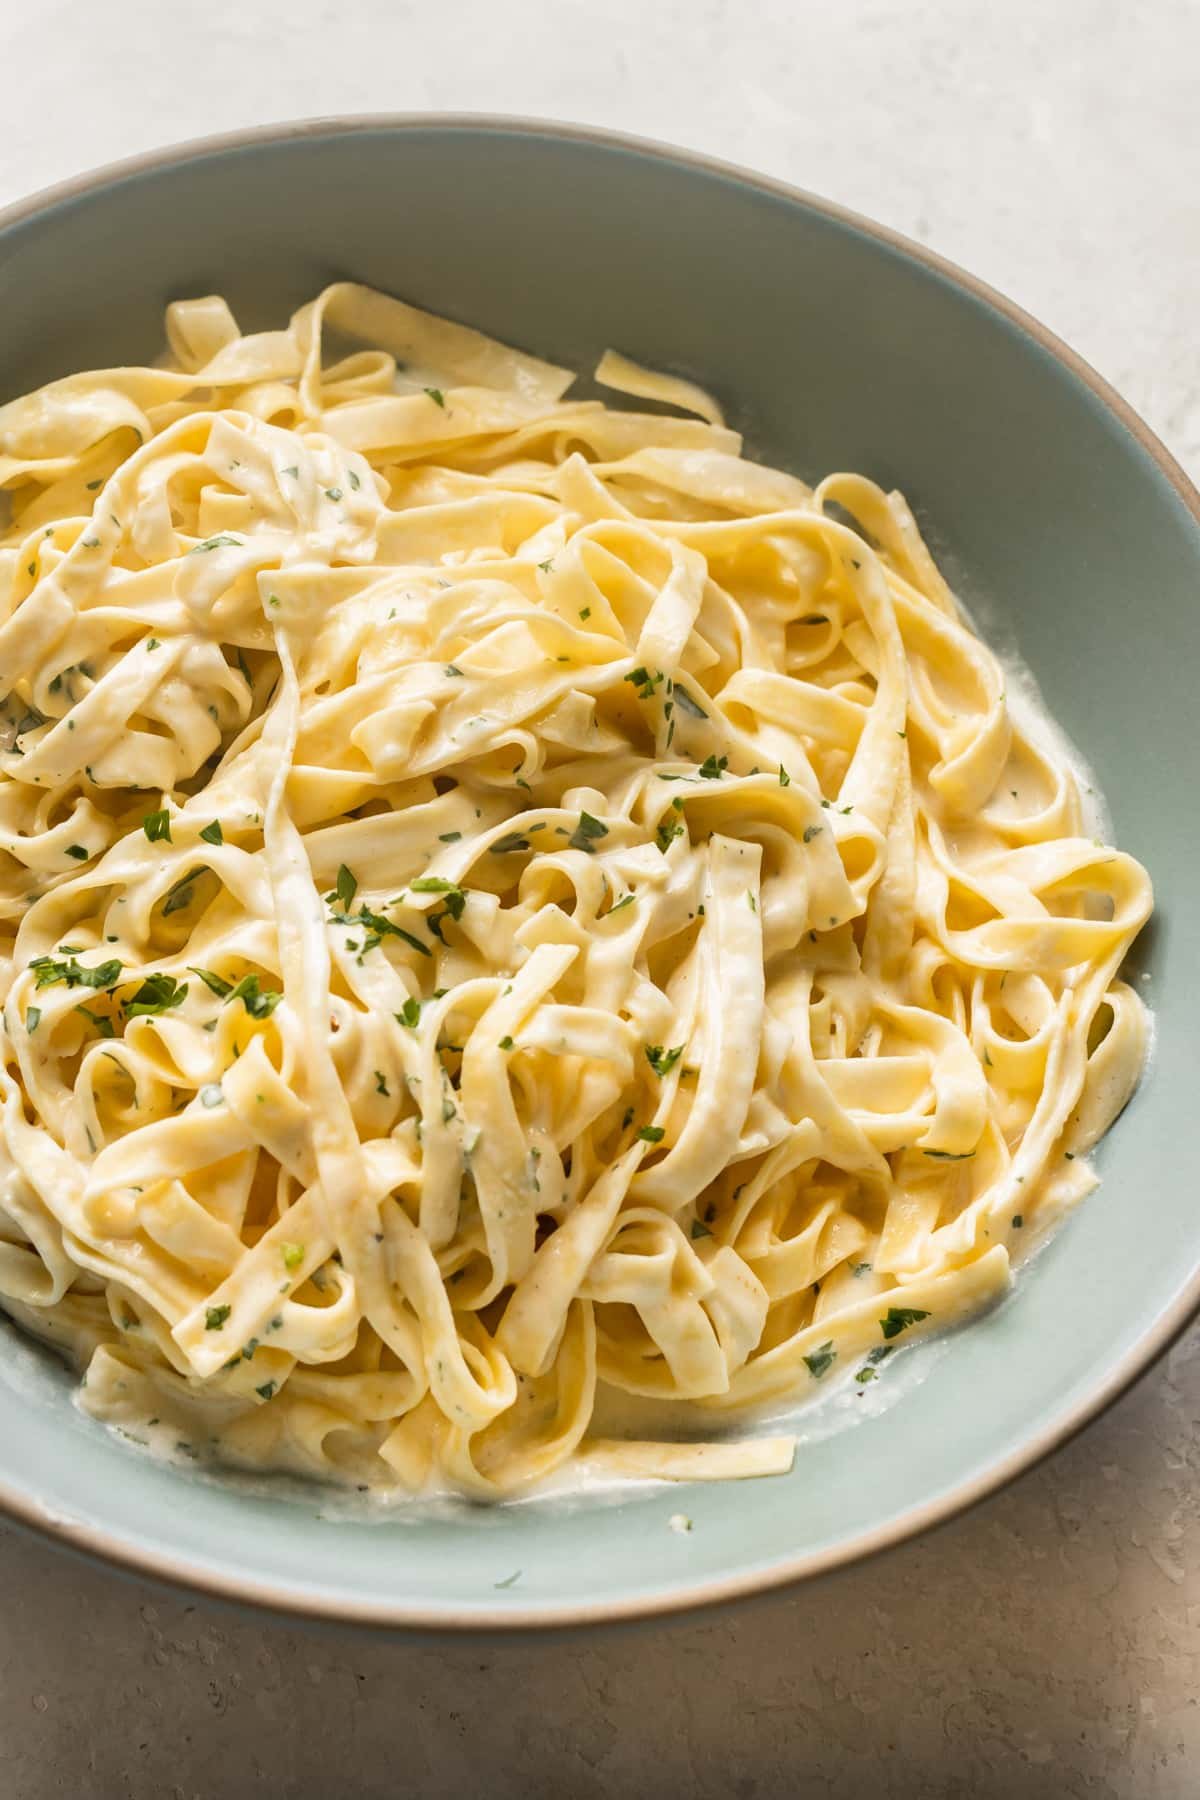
180	1570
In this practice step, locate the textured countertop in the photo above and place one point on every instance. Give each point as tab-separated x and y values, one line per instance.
1047	1645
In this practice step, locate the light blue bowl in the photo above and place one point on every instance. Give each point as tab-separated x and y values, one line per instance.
834	344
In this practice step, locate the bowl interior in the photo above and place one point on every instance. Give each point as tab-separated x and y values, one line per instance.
832	347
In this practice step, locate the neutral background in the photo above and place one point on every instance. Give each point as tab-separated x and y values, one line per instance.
1049	1644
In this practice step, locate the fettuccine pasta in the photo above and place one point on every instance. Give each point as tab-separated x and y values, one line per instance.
502	897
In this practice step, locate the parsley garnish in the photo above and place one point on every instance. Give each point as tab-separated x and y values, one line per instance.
101	1021
293	1255
663	1061
587	829
381	1086
951	1155
666	834
821	1359
157	994
625	900
652	1134
333	493
409	1014
347	887
215	1317
47	972
78	852
212	834
508	846
260	1003
810	832
214	983
219	542
688	704
180	895
453	672
785	779
437	396
644	683
266	1391
157	826
506	1043
699	1230
33	1018
712	768
449	837
899	1318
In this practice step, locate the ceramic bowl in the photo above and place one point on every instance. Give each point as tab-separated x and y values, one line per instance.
833	344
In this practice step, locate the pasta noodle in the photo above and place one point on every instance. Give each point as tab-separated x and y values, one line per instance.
499	895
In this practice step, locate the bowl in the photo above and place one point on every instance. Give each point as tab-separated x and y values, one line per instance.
833	344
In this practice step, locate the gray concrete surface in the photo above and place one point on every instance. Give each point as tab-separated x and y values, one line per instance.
1047	1645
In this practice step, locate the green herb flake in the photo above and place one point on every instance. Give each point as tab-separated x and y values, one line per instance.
409	1014
810	832
652	1134
215	1317
625	900
899	1318
101	1021
437	396
688	704
381	1086
266	1391
212	834
157	994
585	832
821	1359
510	844
662	1061
293	1255
157	826
347	886
785	779
214	983
712	768
258	1001
47	971
506	1043
950	1155
699	1230
33	1018
1018	1221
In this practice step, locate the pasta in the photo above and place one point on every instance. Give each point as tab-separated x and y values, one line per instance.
502	898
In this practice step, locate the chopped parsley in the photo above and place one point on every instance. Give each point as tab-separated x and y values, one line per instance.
687	704
293	1255
333	493
712	768
453	672
506	1043
157	826
699	1230
220	542
509	845
78	851
33	1018
810	832
950	1155
212	834
258	1001
587	829
48	970
266	1390
449	837
437	396
214	983
663	1061
652	1134
1018	1221
157	994
215	1317
643	682
180	895
409	1014
785	779
101	1021
381	1086
899	1318
821	1359
625	900
666	834
347	887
